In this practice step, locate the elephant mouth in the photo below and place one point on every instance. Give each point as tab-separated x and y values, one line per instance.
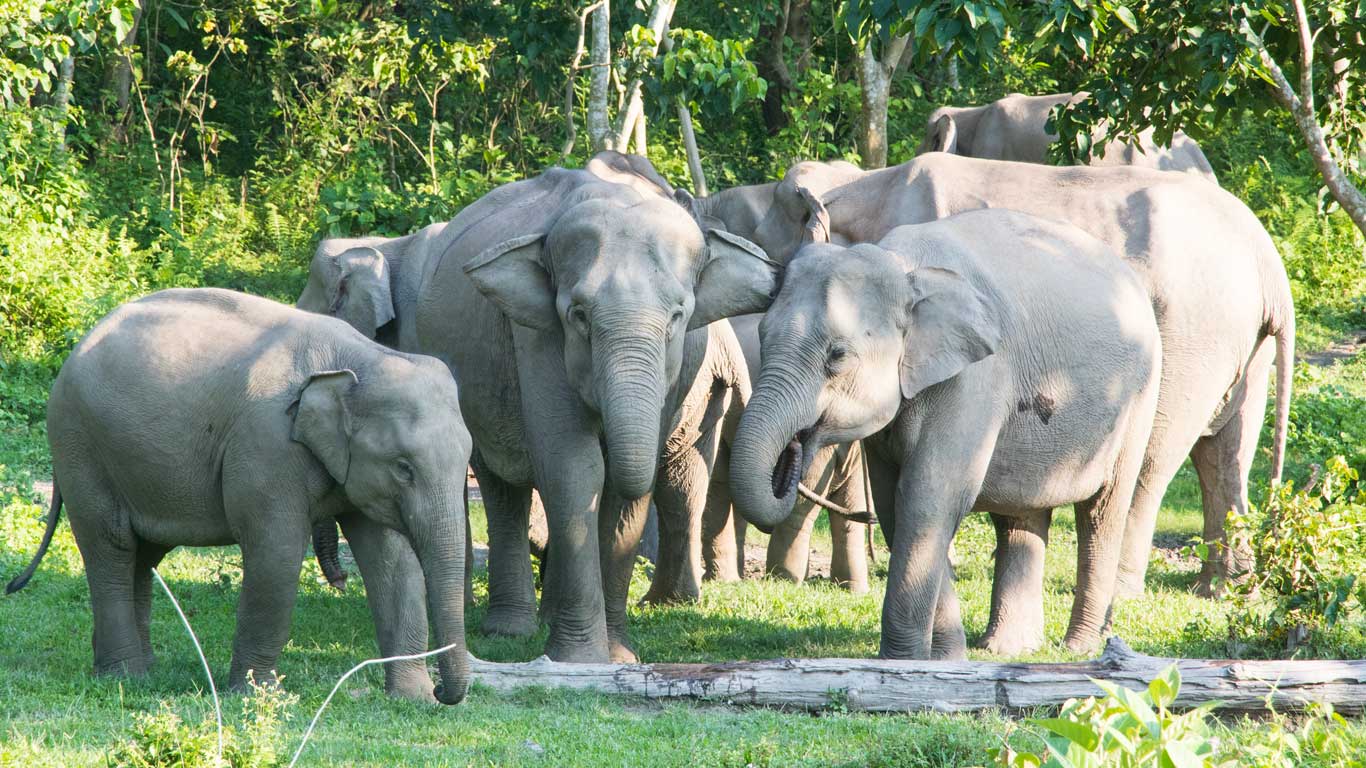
792	463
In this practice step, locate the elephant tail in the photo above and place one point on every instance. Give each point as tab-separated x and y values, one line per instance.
1285	373
53	515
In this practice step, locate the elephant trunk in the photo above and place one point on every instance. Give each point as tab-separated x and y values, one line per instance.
440	545
772	450
630	373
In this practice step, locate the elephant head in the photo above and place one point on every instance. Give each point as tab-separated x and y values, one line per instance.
852	335
353	285
393	439
797	214
621	278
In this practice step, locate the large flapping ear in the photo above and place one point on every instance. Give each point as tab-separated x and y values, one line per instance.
513	276
952	326
322	420
817	226
944	135
364	295
737	278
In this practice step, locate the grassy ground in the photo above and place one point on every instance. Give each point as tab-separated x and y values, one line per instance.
53	712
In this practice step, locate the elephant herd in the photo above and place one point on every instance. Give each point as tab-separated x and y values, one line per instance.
970	330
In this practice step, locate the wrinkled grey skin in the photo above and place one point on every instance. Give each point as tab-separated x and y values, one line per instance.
1217	285
561	303
205	417
1014	128
994	361
836	474
372	283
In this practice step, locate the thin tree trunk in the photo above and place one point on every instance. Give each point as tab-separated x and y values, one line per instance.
120	77
61	98
875	685
699	177
660	14
601	61
571	130
1301	107
875	83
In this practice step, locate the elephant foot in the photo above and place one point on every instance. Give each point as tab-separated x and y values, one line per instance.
508	623
137	666
1012	643
1084	643
855	587
621	652
670	597
577	653
413	686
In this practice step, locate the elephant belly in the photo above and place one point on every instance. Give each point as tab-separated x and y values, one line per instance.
1038	467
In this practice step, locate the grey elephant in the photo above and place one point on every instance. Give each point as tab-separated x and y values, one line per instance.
561	303
1217	286
1015	128
204	417
994	361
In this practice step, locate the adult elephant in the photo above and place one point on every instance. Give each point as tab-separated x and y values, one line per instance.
998	362
204	417
1217	285
561	303
1016	128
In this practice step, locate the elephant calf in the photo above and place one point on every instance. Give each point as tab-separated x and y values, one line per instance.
996	362
205	417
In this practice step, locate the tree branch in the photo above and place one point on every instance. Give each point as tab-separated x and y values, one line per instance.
571	131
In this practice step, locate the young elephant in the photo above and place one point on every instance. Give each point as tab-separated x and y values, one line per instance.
1001	363
206	417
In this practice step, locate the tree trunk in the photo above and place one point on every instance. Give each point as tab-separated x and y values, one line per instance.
875	83
1301	107
699	178
660	14
120	77
61	98
874	685
638	141
601	62
792	23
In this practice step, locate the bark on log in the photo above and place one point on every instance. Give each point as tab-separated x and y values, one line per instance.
874	685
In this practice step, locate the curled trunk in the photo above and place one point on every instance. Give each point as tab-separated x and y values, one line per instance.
768	455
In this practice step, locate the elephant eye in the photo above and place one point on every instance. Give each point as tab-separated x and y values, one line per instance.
675	320
578	318
837	358
404	472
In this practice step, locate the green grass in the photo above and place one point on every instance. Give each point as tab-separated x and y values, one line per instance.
53	711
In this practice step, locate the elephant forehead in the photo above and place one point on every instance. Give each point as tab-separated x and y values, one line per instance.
602	239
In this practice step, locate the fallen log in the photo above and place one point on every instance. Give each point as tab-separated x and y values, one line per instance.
876	685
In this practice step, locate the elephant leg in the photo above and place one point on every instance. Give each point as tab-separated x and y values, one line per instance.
110	559
723	550
149	556
882	481
849	555
1017	625
512	596
681	499
620	526
271	562
1223	461
948	641
789	546
931	500
396	592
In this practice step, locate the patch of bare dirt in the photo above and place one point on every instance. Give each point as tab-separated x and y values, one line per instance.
1342	349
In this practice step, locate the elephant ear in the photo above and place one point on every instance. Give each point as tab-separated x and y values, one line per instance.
513	276
322	420
737	278
952	326
364	296
944	135
817	226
